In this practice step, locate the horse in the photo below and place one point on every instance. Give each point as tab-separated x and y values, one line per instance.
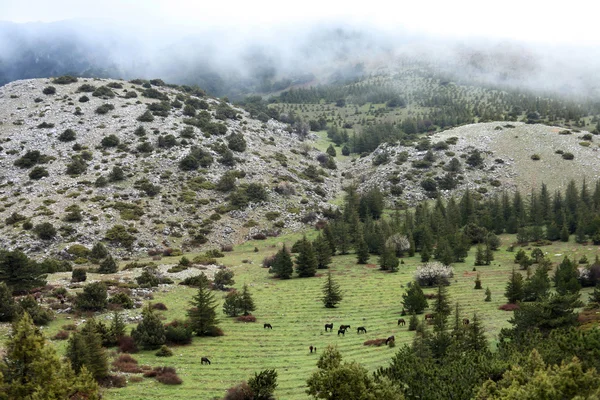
205	360
310	348
390	339
361	329
265	326
466	321
342	331
344	327
329	326
401	321
428	317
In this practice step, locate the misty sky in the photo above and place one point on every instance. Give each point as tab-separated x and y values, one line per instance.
574	22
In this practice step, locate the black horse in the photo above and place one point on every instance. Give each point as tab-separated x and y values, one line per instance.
466	321
344	327
390	339
205	360
329	326
361	329
342	331
401	321
265	326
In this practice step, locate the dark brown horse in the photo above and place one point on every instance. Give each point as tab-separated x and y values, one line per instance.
466	321
342	331
310	348
344	327
265	326
390	339
205	360
329	326
401	321
428	317
361	329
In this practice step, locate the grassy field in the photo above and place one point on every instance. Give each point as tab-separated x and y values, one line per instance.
372	299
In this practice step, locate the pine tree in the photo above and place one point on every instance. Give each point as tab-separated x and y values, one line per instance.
362	249
231	305
565	277
441	304
246	301
8	307
203	315
331	151
283	266
32	370
332	294
150	332
322	252
108	266
413	322
479	255
488	254
98	252
564	233
488	294
306	262
476	340
514	287
413	300
117	328
388	260
478	282
425	254
328	233
19	272
85	350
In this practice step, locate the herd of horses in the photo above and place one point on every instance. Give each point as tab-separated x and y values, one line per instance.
342	331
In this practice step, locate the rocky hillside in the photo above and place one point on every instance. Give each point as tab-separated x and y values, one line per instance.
142	165
486	158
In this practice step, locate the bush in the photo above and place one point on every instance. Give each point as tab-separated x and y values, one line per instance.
104	108
122	299
126	363
79	275
164	351
178	333
38	173
93	297
568	156
535	157
49	90
110	141
509	307
45	231
68	135
195	281
146	117
159	306
104	92
64	80
169	378
61	335
127	345
246	318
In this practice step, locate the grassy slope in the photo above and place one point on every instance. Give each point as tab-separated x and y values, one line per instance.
372	299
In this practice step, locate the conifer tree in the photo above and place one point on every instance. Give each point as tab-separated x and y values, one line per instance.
32	370
246	302
514	287
150	332
479	255
85	350
117	328
565	277
8	307
19	272
478	282
329	236
98	252
413	300
283	266
322	252
488	294
488	254
332	294
306	262
362	249
203	315
413	322
331	151
231	305
476	340
388	260
108	266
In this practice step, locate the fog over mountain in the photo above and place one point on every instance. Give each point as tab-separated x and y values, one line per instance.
226	61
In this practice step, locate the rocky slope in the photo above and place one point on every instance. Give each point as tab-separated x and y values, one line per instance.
512	155
85	182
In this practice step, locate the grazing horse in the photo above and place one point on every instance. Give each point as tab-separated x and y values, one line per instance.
428	317
265	326
401	321
205	360
344	327
311	348
342	331
390	339
466	321
329	326
361	329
